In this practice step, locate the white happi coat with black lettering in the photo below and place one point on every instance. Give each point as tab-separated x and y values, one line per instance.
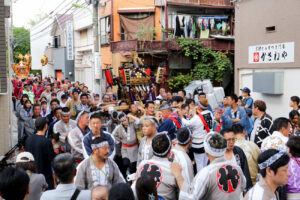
159	169
220	180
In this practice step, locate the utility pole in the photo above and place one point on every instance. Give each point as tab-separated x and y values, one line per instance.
97	49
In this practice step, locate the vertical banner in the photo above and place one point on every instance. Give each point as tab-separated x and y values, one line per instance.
70	54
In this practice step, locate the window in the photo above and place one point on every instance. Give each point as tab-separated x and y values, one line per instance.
105	30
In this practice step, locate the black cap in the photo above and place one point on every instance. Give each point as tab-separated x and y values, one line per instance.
245	89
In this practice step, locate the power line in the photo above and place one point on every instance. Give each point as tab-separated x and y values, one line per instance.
54	22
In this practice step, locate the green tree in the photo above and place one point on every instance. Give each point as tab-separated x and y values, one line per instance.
21	42
208	64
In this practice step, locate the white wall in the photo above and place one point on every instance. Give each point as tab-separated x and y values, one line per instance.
277	105
39	39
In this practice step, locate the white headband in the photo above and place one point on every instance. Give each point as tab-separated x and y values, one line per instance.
65	113
188	139
203	107
169	147
151	120
101	144
211	150
271	160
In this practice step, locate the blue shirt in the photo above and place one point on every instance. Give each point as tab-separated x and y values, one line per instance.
65	192
229	116
169	126
87	141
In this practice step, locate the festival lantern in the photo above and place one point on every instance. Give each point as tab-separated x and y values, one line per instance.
109	76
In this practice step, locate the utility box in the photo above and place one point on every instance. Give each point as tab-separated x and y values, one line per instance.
268	82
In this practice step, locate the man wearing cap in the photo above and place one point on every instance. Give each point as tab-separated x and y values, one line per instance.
158	167
247	101
28	91
200	124
273	165
98	169
76	135
169	124
65	125
221	179
184	138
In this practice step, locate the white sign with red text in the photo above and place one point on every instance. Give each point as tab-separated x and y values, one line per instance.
272	53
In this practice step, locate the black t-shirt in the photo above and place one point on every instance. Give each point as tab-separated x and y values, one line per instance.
43	153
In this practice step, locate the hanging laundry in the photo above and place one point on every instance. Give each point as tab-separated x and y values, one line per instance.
219	26
178	31
185	27
194	27
212	24
190	26
203	25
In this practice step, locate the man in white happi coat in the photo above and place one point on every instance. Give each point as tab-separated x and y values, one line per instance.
65	125
273	164
221	179
98	169
158	167
279	137
184	138
201	124
76	136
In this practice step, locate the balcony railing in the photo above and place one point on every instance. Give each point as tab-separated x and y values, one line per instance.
168	45
203	2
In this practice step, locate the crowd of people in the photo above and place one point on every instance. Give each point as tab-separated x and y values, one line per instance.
78	146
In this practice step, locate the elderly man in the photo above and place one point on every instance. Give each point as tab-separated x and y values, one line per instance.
98	169
65	125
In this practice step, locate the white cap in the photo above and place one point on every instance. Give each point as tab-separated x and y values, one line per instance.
24	157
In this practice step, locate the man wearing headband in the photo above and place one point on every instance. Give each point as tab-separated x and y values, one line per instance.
221	179
184	138
235	114
65	125
98	169
149	113
76	135
96	131
125	133
200	124
169	124
149	130
158	167
273	166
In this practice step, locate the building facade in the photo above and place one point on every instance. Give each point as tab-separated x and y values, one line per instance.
84	46
266	47
5	86
141	26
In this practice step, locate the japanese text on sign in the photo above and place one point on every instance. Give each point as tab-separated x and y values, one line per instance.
272	53
70	55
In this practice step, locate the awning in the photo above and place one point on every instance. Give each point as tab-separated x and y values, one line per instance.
136	10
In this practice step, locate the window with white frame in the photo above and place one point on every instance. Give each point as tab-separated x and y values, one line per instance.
105	30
